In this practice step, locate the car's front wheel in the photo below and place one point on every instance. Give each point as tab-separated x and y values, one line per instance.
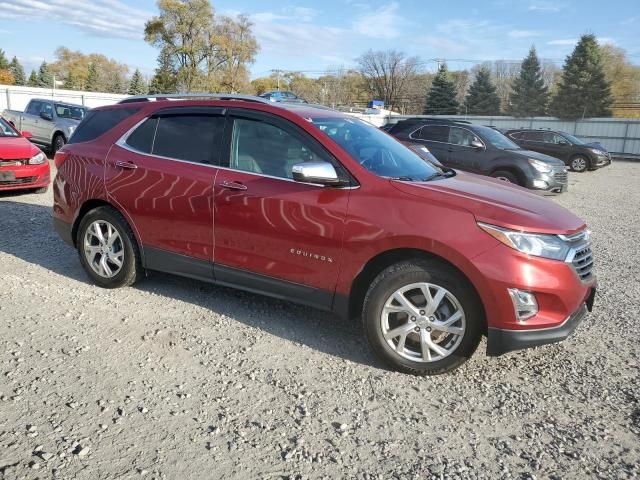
422	317
579	164
108	249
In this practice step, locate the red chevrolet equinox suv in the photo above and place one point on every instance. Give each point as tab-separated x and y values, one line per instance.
310	205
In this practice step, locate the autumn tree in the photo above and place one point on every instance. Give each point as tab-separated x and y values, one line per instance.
441	99
625	81
91	83
584	90
530	95
6	76
93	72
235	49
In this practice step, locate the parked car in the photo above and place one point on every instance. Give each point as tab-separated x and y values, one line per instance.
423	152
325	210
485	151
278	96
22	164
577	154
51	122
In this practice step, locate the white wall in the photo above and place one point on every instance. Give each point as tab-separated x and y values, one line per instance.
16	98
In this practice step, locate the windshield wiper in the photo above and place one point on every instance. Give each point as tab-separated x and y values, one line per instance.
404	179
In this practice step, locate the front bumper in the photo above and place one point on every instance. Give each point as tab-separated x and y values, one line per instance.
601	161
501	341
556	181
21	177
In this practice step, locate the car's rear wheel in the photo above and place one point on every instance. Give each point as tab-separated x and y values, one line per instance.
579	164
108	249
58	142
422	317
506	176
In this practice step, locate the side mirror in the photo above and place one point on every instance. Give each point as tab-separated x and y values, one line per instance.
477	144
322	173
46	116
26	134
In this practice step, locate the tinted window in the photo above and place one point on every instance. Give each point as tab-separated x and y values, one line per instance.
6	130
436	133
260	147
516	135
533	136
550	137
194	138
142	138
461	136
98	122
70	111
34	108
47	108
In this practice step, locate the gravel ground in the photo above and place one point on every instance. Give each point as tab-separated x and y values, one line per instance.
179	379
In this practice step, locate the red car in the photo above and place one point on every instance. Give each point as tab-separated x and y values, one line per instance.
307	204
22	164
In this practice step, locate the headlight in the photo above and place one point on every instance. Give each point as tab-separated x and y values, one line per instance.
540	245
38	159
596	151
540	166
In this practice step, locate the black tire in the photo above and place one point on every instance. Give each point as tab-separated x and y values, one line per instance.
437	273
131	270
58	142
579	164
41	190
506	176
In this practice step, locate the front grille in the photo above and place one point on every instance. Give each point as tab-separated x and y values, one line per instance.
18	181
583	263
6	162
561	177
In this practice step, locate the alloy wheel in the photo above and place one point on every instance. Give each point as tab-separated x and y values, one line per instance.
103	249
423	322
579	164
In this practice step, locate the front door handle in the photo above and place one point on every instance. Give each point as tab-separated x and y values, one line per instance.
233	185
127	165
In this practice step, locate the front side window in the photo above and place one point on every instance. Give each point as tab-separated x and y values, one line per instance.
70	111
435	133
461	136
260	147
376	151
47	108
190	137
573	139
496	139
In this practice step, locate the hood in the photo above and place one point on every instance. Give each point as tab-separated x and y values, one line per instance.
596	145
496	202
539	156
14	148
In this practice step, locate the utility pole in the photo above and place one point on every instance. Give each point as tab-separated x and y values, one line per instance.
277	72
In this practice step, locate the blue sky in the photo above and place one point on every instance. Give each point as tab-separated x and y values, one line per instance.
313	36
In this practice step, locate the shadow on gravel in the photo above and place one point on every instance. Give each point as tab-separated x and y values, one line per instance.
26	232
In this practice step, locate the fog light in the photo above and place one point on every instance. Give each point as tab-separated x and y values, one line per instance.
524	304
540	184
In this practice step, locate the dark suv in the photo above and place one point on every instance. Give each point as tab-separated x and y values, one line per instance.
310	205
278	96
577	154
485	151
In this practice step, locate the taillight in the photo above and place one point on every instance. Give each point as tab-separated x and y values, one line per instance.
60	157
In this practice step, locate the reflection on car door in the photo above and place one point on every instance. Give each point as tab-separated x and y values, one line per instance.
435	138
258	204
555	145
460	151
162	176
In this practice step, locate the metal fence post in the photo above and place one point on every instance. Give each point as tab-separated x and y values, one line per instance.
8	98
626	134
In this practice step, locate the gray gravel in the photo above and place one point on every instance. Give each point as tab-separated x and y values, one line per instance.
179	379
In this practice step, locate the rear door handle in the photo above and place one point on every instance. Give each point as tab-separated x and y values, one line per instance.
233	185
127	165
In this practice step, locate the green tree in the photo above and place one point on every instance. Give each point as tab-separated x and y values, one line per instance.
71	82
91	85
33	79
584	90
6	75
44	76
441	99
165	78
4	63
18	72
529	96
482	98
137	85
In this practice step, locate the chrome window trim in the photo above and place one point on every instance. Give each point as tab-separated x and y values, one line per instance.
446	143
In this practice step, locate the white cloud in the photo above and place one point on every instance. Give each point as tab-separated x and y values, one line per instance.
104	18
383	23
567	41
304	14
545	6
524	33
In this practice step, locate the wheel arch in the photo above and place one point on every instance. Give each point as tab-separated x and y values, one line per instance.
520	175
586	156
382	260
56	133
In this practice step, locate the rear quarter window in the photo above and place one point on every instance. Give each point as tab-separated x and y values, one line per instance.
98	122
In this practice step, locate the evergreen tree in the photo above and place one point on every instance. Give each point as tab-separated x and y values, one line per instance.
71	82
442	95
117	84
33	79
4	63
482	98
18	72
137	86
165	78
529	96
583	90
91	84
45	79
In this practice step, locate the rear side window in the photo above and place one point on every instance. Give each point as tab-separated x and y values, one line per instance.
142	138
98	122
34	108
194	138
435	133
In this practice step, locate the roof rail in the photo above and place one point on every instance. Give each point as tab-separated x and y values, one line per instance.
194	96
446	121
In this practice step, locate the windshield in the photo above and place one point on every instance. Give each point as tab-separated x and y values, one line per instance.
375	150
6	130
70	111
572	139
497	139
